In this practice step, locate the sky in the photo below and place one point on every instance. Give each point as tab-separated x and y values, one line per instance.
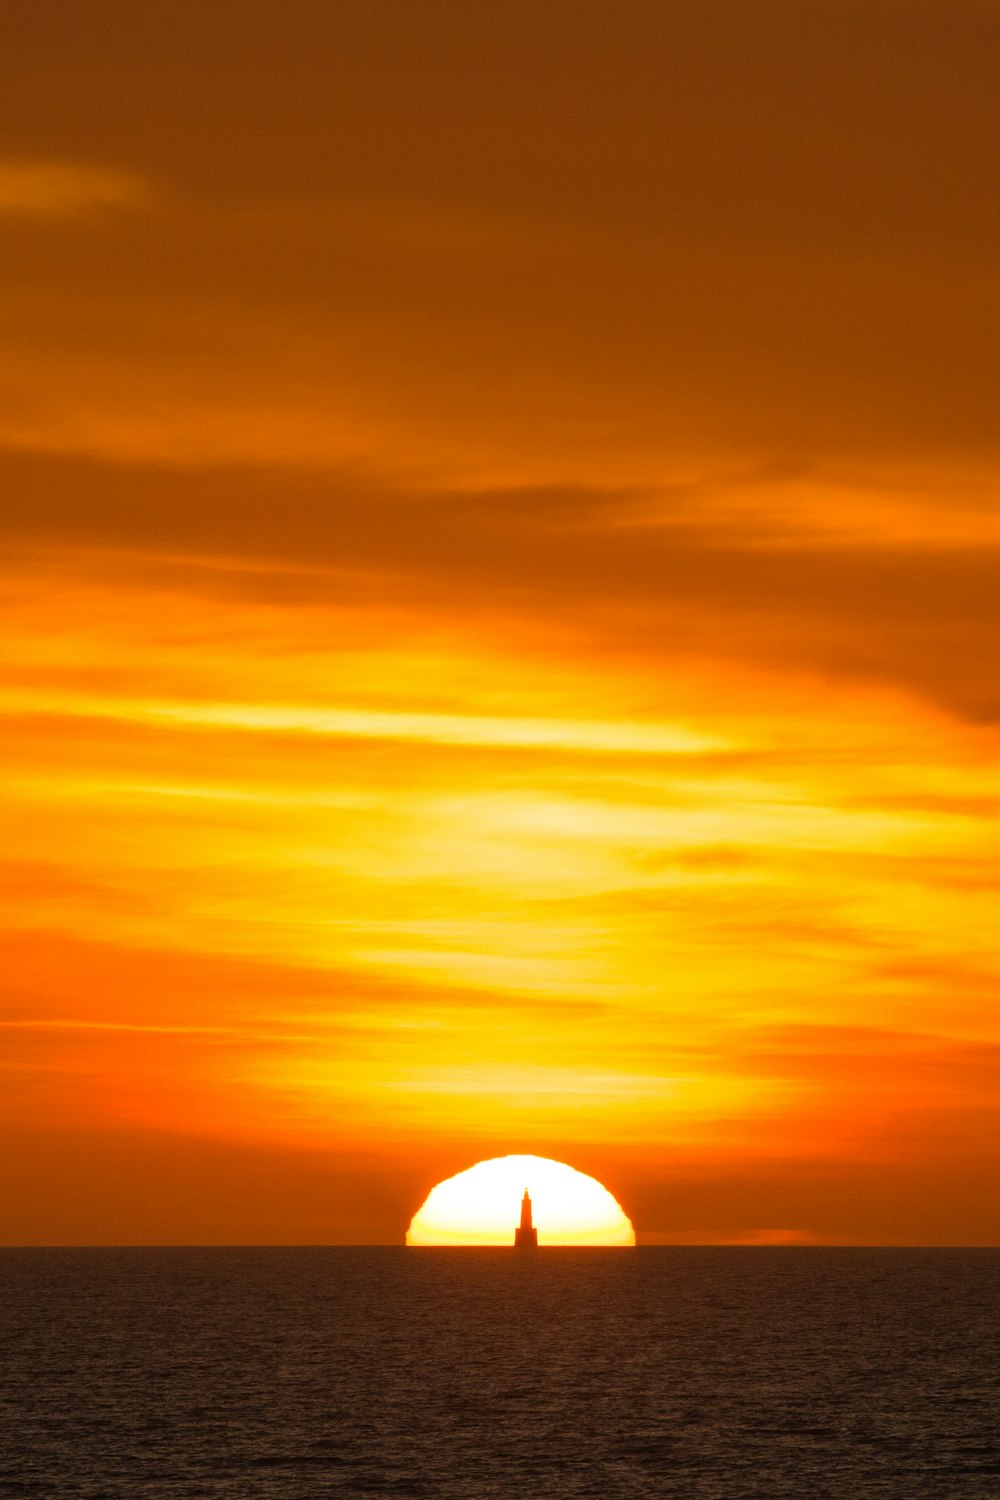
500	614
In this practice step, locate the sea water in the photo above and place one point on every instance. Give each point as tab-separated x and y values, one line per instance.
483	1373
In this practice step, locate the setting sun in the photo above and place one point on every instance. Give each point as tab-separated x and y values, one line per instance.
499	601
481	1206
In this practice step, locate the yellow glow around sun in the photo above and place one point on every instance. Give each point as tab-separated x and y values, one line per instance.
482	1206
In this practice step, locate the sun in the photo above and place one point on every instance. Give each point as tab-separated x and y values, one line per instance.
482	1206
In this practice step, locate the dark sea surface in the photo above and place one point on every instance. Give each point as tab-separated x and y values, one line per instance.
675	1372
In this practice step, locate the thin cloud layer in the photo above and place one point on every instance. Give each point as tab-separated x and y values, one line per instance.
60	189
501	572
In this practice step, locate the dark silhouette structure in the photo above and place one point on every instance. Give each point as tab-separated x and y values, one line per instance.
526	1235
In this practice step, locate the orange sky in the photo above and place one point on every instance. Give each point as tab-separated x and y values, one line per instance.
500	614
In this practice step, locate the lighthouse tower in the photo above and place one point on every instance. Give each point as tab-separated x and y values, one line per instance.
526	1235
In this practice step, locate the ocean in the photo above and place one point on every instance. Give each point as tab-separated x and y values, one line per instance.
301	1373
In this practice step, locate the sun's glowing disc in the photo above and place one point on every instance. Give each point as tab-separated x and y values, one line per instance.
482	1205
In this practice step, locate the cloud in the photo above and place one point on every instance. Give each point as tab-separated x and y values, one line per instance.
690	581
460	437
369	244
733	1235
34	189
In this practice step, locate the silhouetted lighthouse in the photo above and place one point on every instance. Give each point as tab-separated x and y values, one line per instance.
525	1235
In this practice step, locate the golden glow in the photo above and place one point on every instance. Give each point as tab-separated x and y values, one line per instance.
498	617
482	1206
